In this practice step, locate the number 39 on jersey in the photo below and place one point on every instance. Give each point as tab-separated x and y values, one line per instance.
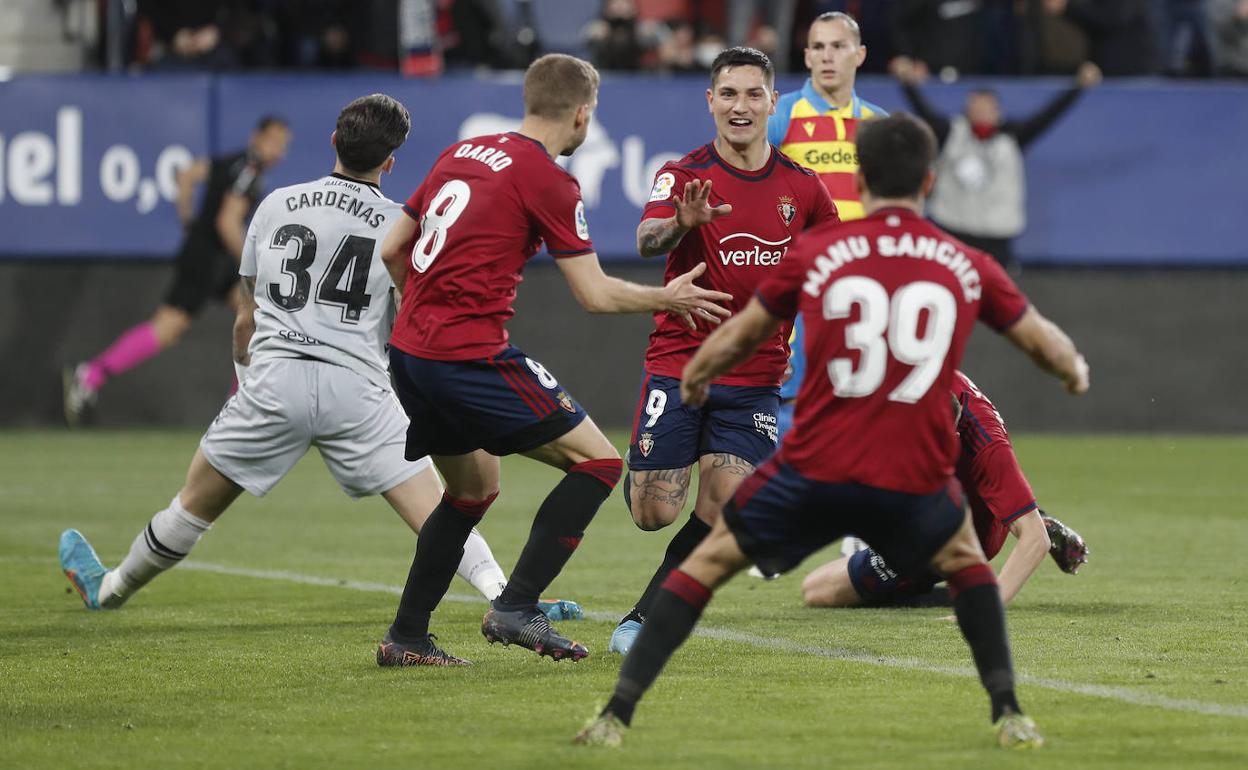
914	326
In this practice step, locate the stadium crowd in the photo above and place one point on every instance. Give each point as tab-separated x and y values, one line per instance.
1182	38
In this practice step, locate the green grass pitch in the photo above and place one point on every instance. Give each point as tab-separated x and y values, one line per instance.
1140	661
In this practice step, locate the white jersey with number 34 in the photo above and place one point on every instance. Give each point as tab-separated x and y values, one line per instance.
322	291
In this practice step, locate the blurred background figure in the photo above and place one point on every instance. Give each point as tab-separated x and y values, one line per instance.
187	34
763	24
1185	40
617	39
1122	38
206	267
1229	21
980	183
943	34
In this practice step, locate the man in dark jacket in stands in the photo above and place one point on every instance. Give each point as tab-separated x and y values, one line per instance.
1122	39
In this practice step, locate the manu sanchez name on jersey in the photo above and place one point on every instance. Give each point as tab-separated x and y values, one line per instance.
888	304
321	289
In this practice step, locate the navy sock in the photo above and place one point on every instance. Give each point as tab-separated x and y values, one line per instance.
977	604
558	528
677	607
683	542
438	552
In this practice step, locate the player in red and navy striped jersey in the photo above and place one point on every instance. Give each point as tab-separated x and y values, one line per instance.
732	206
1001	503
471	227
889	303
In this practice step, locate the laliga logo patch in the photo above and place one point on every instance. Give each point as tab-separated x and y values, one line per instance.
787	209
645	444
565	401
662	187
582	226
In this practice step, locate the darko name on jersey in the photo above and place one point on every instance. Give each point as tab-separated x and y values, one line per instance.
337	200
493	157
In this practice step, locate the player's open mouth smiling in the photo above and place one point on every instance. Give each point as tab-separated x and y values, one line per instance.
740	122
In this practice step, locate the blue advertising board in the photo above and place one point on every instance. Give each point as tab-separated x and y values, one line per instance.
1147	173
88	163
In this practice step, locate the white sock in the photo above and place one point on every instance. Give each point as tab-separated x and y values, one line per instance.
165	541
479	568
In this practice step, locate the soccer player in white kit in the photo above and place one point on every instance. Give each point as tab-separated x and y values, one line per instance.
308	340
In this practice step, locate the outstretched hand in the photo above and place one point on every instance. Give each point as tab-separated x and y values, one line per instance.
686	299
693	208
1078	381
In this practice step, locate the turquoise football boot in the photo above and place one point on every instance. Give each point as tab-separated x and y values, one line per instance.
623	636
82	567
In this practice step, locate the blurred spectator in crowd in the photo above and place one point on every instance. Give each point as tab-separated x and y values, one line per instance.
315	33
945	35
188	34
1121	34
980	185
480	35
677	51
773	34
617	39
1229	19
1184	37
1049	44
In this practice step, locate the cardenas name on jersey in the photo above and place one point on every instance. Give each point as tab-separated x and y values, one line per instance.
341	200
322	291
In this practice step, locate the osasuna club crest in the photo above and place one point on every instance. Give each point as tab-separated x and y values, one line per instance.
645	444
565	401
787	209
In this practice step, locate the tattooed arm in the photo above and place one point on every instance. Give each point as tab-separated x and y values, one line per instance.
660	236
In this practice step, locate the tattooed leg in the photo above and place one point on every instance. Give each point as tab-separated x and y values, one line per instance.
658	496
719	475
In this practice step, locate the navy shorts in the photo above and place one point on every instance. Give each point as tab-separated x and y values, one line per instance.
504	404
739	420
780	517
878	584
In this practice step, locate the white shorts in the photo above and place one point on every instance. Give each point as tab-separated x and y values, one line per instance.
287	405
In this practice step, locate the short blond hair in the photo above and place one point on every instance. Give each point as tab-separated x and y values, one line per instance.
557	84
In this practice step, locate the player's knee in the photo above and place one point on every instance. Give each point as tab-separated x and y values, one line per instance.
605	470
830	586
958	554
651	515
472	507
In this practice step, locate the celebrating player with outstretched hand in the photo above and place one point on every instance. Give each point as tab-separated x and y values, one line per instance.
889	303
730	208
471	226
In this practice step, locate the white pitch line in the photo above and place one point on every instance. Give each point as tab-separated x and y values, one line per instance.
780	644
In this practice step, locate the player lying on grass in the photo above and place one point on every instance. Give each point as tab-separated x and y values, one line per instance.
889	303
314	371
1001	502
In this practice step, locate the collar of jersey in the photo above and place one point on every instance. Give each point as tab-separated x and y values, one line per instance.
851	110
900	211
346	178
749	176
